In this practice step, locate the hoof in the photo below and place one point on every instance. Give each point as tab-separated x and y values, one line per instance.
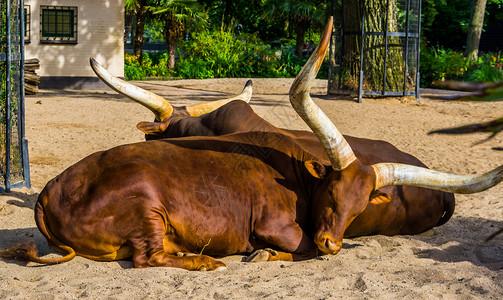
207	263
182	254
261	255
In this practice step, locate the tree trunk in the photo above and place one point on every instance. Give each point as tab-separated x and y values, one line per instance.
227	16
300	30
173	32
374	54
140	26
350	56
475	29
171	45
128	24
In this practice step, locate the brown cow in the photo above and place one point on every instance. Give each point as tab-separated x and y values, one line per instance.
149	201
411	211
171	121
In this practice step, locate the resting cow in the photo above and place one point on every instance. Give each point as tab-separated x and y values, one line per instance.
251	192
411	211
208	118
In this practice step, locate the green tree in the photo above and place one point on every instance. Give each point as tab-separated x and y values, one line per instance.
178	16
475	28
240	15
139	9
480	9
447	23
302	14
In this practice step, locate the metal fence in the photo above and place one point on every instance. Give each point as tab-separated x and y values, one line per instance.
375	48
14	166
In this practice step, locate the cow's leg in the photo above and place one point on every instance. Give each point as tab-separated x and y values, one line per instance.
290	238
188	262
149	249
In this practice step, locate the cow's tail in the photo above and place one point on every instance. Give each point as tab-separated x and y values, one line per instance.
27	251
448	208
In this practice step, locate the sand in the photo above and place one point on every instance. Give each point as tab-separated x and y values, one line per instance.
451	261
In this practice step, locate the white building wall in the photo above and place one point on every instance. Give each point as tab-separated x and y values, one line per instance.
100	34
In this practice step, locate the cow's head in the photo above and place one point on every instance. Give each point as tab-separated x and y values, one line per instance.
349	185
164	112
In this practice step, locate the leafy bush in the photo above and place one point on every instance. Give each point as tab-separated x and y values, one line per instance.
484	73
488	68
220	54
132	68
151	65
440	64
217	54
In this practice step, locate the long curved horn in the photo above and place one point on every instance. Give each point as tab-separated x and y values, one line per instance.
402	174
157	104
199	109
338	150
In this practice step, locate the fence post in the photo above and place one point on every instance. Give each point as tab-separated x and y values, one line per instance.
15	162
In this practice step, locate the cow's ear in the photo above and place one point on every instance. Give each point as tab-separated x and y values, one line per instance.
152	127
316	169
377	197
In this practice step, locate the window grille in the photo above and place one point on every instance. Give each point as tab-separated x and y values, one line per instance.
58	24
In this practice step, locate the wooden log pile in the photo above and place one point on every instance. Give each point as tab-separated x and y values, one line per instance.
31	79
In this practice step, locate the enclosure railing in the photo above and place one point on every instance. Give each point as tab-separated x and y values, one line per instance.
14	162
375	48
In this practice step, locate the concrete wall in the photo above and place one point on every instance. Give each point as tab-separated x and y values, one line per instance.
100	34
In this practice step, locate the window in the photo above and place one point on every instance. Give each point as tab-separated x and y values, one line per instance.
58	24
27	20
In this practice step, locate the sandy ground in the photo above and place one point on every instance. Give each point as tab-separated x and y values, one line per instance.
451	261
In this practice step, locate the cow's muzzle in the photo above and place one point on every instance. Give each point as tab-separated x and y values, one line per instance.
328	244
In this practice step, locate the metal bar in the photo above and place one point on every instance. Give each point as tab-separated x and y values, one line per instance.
3	189
330	51
386	25
339	84
21	70
13	57
8	100
389	93
373	93
360	84
22	129
400	34
418	51
406	50
26	163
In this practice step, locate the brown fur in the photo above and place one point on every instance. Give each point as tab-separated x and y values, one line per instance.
412	210
231	194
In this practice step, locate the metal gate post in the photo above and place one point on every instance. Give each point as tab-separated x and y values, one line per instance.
14	98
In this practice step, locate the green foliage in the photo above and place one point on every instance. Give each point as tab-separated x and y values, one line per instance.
186	13
440	64
450	24
214	54
153	30
150	66
488	68
445	22
133	70
220	54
